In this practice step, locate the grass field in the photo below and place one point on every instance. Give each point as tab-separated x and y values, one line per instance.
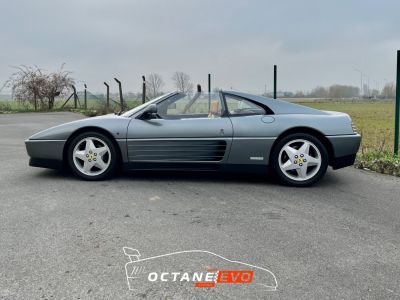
374	120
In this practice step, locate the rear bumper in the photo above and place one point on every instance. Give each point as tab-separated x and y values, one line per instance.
344	161
45	153
345	148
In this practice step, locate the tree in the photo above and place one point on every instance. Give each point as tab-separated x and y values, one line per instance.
182	82
389	91
32	84
343	91
374	93
319	92
299	94
285	94
154	84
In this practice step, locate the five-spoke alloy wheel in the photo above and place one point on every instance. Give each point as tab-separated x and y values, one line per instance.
299	159
92	156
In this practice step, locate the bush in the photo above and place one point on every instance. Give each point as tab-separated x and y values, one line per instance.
379	161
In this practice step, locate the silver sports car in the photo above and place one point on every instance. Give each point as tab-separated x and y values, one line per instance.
222	131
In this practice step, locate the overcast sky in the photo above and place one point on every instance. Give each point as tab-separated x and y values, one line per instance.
238	42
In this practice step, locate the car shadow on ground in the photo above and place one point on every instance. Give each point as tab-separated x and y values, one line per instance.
331	178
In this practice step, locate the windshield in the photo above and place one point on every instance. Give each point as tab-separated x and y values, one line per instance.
138	108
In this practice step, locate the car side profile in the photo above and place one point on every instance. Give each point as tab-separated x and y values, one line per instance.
223	131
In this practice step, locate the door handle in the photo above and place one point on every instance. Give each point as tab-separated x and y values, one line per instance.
221	131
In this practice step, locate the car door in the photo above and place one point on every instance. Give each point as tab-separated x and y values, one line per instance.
252	131
189	129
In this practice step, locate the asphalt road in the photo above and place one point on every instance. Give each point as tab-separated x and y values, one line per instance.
61	237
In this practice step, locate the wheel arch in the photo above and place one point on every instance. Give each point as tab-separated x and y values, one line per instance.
86	129
308	130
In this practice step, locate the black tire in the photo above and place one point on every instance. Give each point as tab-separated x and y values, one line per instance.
274	161
112	167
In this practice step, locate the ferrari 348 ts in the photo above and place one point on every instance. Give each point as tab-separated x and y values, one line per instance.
221	131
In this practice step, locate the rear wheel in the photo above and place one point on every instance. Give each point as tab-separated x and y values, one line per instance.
92	156
299	159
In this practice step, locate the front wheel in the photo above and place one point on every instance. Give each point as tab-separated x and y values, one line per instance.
92	156
299	159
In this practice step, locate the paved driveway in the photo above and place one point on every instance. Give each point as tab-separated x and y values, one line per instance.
62	238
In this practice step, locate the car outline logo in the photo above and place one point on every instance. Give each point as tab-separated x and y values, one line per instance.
136	267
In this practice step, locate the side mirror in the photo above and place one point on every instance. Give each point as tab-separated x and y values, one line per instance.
150	112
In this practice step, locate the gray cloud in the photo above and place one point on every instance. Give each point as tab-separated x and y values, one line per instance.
313	42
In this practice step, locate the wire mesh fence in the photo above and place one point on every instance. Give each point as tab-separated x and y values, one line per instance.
91	105
97	104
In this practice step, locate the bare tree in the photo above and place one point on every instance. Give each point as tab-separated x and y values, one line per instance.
182	82
375	94
319	92
154	84
389	91
30	84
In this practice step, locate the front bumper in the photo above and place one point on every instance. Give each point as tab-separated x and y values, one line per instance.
45	153
345	148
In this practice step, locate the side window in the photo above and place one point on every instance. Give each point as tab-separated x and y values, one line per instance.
191	106
238	106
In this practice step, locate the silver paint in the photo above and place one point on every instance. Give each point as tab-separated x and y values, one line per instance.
244	136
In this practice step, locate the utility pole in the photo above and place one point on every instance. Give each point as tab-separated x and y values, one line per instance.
108	96
275	80
397	107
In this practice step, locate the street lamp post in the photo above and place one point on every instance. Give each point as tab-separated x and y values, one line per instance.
361	84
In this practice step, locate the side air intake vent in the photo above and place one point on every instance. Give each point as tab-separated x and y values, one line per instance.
177	150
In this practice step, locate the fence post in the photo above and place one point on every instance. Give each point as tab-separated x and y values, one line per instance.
108	96
121	99
209	91
397	107
275	80
144	89
85	104
75	96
